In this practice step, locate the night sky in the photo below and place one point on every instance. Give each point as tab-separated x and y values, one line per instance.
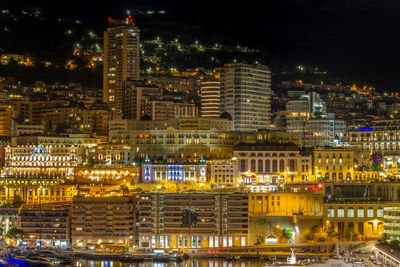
354	38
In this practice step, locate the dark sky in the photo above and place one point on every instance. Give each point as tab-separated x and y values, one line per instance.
355	38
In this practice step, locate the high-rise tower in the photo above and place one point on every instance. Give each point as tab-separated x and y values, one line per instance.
210	97
121	61
246	96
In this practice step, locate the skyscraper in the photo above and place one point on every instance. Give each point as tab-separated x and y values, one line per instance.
121	61
210	97
246	96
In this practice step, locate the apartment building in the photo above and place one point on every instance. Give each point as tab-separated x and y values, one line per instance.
192	220
97	220
46	224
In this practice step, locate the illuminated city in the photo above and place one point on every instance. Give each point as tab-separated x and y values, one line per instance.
145	136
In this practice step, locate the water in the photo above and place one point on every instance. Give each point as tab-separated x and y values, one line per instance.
186	263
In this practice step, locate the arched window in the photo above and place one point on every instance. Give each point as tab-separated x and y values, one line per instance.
292	166
360	213
281	165
340	212
242	165
340	176
331	212
379	213
267	166
370	212
350	212
253	165
260	165
274	165
327	175
334	176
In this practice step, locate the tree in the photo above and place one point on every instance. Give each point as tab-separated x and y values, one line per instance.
287	233
16	234
308	237
124	189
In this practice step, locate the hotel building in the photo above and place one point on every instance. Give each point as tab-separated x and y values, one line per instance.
177	173
266	167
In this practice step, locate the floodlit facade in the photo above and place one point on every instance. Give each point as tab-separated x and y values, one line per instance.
177	173
333	163
266	167
40	162
246	96
223	173
192	220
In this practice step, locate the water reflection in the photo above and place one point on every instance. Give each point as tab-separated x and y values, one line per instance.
187	263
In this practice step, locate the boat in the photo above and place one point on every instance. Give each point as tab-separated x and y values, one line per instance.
23	261
291	262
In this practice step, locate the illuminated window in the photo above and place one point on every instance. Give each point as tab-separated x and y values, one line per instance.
370	212
350	212
331	212
360	212
379	213
340	212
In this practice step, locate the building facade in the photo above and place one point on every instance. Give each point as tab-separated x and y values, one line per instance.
192	220
210	97
333	163
121	61
246	96
178	173
266	167
98	220
46	225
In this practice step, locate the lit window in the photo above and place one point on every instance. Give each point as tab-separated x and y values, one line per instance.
379	213
370	212
360	213
331	212
340	212
350	213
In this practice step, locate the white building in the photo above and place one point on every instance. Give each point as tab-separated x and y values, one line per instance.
246	96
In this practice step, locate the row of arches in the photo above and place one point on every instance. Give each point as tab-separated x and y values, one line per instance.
267	166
